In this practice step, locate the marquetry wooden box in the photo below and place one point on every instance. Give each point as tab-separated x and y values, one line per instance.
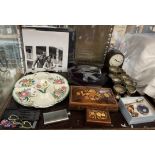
83	97
98	117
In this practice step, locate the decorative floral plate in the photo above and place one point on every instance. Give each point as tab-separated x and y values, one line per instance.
41	90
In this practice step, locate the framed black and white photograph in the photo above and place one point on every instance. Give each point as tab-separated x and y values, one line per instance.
45	50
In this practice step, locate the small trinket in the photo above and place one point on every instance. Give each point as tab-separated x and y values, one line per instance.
13	117
131	110
7	124
14	121
131	126
128	82
111	75
119	89
124	125
116	80
125	77
142	109
99	117
114	70
131	89
26	125
56	116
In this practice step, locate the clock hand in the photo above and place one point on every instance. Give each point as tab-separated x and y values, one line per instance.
117	60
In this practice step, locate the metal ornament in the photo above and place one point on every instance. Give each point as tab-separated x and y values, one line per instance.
119	89
131	89
114	70
116	80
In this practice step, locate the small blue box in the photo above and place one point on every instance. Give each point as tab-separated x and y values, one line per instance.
136	110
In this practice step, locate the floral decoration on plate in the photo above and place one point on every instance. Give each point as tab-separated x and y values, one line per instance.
26	95
58	80
42	86
58	93
41	90
27	82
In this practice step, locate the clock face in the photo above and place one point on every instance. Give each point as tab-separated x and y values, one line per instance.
116	60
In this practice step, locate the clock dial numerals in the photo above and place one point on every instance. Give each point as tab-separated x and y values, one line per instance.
116	60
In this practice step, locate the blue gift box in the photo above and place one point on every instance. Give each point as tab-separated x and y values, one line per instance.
136	110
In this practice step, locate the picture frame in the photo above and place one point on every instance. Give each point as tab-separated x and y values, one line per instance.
47	49
92	43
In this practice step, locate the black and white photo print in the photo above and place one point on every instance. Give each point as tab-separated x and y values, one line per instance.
45	50
56	55
40	57
29	64
29	52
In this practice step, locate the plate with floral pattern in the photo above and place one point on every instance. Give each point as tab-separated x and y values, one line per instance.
41	90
